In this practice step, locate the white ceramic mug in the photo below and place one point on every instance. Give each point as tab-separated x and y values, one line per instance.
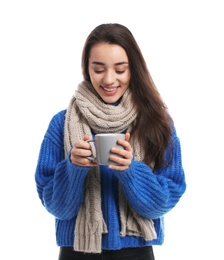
103	144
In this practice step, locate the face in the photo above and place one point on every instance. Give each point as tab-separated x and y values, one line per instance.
109	71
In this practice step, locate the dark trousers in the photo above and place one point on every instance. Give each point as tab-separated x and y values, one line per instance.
140	253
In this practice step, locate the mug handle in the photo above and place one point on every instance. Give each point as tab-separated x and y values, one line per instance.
91	158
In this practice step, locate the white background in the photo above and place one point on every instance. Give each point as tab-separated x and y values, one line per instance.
40	57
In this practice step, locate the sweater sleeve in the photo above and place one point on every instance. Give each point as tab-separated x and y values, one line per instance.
59	182
152	194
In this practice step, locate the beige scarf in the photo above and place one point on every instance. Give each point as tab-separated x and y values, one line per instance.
85	112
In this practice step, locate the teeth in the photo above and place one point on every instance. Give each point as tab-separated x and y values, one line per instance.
110	89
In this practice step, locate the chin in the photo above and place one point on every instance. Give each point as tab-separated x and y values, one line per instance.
110	100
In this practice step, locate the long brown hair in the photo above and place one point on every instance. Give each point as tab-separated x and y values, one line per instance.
153	126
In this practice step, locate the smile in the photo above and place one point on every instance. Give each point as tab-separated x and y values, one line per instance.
110	89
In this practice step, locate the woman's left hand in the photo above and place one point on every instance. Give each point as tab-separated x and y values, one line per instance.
127	155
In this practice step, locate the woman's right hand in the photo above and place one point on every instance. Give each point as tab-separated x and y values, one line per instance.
80	150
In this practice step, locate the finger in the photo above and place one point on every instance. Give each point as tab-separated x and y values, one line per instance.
82	161
78	160
86	137
122	160
118	167
81	152
127	137
125	144
124	154
82	145
121	165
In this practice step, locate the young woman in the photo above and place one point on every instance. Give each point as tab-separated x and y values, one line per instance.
115	211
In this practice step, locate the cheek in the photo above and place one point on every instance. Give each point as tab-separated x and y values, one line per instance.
95	81
126	80
93	77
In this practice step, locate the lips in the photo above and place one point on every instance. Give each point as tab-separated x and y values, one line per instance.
110	91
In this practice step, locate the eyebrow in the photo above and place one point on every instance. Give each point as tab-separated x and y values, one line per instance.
116	64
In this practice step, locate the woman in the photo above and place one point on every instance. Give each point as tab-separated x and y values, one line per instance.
115	211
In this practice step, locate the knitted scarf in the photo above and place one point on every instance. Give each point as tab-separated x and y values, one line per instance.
87	111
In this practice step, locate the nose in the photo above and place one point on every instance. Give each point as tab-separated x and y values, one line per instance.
109	77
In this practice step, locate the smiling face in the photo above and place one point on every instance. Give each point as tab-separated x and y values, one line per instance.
109	71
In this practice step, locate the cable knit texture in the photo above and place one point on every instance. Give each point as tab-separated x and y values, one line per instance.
61	185
102	118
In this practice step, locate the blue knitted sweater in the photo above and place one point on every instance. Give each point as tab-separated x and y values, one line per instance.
60	186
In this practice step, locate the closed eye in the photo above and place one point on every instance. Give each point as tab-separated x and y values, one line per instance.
99	71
